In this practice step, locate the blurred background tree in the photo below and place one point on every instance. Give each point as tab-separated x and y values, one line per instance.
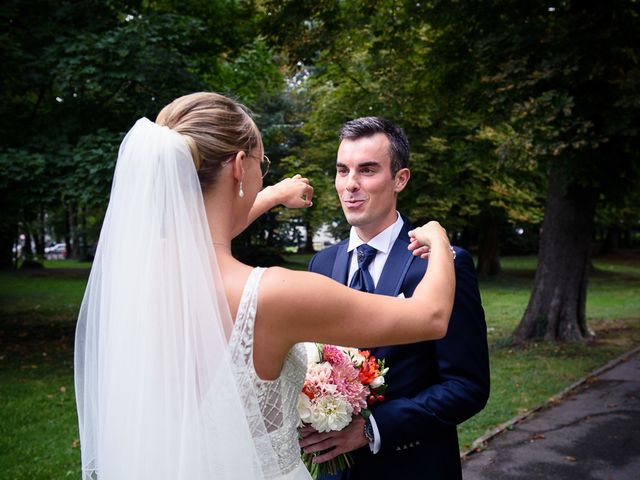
77	76
522	118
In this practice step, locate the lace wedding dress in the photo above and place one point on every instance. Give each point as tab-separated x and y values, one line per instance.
277	399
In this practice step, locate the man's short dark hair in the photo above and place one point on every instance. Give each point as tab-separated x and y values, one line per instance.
368	126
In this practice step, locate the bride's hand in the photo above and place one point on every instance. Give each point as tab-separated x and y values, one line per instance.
294	192
423	239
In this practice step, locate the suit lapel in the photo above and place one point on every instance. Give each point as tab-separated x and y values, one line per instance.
341	264
397	265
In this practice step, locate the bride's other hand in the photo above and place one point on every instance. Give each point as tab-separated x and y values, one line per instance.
422	239
294	192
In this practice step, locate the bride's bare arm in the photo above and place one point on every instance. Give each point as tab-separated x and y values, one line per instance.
302	306
294	192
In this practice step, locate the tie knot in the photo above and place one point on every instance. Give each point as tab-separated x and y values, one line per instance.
366	254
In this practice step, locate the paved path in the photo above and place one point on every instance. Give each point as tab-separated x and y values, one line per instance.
593	434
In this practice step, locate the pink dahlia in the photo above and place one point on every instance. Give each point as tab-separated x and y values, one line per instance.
345	377
335	356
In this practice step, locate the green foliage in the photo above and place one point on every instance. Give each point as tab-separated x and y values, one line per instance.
565	81
253	76
391	59
80	73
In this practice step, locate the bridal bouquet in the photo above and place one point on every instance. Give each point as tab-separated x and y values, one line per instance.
340	383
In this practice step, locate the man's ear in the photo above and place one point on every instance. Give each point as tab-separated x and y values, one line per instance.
238	165
401	179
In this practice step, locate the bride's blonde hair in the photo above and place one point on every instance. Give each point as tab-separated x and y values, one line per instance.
215	128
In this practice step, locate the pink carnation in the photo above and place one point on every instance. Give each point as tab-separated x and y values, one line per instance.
345	377
335	356
318	381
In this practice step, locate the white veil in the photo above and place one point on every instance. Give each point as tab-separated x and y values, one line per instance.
156	394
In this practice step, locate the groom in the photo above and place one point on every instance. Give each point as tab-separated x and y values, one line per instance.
432	386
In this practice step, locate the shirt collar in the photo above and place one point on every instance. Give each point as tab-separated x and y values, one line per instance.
381	242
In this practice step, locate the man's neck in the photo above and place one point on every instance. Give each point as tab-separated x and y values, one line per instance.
367	233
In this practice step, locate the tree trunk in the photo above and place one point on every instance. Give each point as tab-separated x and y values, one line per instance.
39	235
308	244
6	250
556	309
70	238
489	247
27	250
82	250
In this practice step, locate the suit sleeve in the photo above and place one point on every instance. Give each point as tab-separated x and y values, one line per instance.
463	372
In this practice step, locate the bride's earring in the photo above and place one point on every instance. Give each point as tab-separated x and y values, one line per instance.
241	192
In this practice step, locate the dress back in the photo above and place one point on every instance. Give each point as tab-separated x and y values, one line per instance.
277	398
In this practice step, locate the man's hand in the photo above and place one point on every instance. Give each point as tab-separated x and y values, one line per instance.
349	438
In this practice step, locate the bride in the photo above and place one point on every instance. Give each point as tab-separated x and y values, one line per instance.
188	363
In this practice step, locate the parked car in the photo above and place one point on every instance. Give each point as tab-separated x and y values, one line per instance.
56	252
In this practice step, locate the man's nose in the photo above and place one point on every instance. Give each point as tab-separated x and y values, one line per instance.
352	183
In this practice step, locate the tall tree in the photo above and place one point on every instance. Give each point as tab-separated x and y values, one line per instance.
563	82
388	58
79	73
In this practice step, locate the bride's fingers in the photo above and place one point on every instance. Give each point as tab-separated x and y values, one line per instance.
422	252
307	194
294	192
414	244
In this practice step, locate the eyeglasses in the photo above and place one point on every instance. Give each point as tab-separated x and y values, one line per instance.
264	165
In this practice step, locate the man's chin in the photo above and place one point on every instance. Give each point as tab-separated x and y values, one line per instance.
353	220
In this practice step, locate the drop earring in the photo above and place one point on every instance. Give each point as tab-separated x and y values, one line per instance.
241	192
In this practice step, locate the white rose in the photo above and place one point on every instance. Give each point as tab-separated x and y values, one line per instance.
331	413
304	408
313	354
354	355
377	382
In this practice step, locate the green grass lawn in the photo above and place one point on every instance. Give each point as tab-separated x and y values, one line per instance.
523	377
38	431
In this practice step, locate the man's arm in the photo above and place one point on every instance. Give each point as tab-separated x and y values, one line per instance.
463	368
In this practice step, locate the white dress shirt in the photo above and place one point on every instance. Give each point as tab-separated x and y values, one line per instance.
383	242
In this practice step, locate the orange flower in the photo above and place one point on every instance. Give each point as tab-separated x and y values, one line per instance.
369	370
308	391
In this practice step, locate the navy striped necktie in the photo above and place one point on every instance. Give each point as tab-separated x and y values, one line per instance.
362	279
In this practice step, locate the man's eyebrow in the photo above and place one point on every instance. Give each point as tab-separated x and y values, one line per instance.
370	163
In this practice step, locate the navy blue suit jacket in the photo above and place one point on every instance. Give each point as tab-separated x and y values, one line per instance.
432	386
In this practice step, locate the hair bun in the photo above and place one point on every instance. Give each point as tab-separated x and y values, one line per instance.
195	152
